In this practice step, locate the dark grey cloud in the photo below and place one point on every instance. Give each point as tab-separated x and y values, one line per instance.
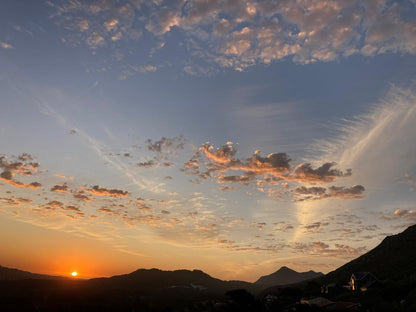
166	145
324	173
356	191
60	188
98	190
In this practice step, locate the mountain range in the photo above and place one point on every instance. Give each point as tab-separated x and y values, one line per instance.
15	274
393	259
392	262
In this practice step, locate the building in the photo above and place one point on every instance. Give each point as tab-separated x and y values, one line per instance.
362	281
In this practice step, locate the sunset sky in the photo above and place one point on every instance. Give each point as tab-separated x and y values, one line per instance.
229	136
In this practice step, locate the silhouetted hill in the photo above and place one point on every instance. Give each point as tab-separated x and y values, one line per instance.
10	274
286	276
150	281
394	260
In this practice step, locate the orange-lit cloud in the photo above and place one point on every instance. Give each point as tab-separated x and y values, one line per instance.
274	171
60	188
246	33
98	190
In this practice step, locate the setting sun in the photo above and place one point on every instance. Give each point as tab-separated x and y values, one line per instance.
74	274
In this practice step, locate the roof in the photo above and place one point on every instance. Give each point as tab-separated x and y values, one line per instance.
345	304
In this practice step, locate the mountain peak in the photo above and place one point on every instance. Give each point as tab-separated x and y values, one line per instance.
286	276
285	268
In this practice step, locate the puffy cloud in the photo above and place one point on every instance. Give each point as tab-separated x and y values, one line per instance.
324	173
162	21
81	196
273	171
55	204
60	188
405	214
248	32
166	145
315	227
23	164
98	190
315	192
355	191
239	179
6	175
33	185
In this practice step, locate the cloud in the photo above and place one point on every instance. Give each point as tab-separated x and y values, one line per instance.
355	191
55	204
408	178
81	196
23	164
60	188
322	249
98	190
109	211
302	193
324	173
405	214
248	32
155	163
273	171
314	190
147	164
315	227
5	45
6	177
166	145
148	68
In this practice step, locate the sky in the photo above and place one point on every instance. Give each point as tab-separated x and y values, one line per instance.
234	137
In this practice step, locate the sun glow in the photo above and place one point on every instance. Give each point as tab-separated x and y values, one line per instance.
74	274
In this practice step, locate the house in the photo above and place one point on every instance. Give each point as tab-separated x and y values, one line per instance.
362	281
323	304
319	302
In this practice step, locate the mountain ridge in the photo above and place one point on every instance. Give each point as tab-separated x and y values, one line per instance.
10	274
394	251
286	276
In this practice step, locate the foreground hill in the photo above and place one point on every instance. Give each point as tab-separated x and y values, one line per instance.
393	260
8	274
286	276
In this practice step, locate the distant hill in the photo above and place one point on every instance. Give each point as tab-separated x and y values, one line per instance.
152	280
8	274
286	276
394	260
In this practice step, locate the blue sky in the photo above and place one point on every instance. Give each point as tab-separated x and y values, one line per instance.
107	107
